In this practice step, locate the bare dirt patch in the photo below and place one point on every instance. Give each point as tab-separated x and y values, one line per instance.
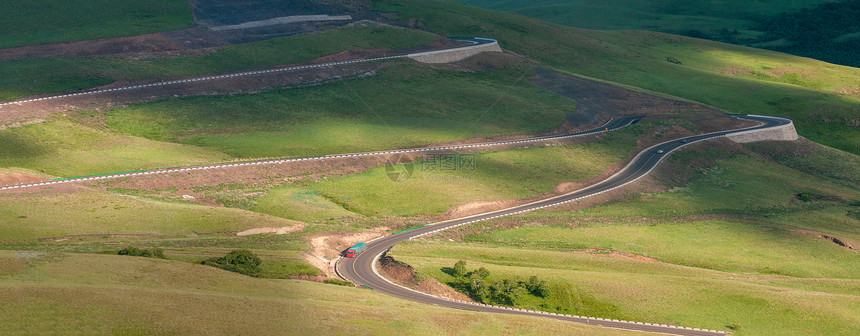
326	248
617	254
18	178
736	71
330	246
271	230
599	101
405	275
851	91
41	191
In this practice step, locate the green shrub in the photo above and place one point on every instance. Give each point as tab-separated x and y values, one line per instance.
138	252
339	282
460	268
239	261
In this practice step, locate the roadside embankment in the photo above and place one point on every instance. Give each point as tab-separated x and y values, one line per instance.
780	133
454	55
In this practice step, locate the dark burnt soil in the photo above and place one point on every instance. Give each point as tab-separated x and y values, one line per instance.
598	101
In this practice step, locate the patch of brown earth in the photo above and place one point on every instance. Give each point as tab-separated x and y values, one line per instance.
149	43
330	246
735	71
599	101
326	248
405	275
851	91
41	191
271	230
18	178
617	254
838	241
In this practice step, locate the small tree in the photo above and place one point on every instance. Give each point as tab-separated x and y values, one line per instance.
542	290
481	272
460	268
239	261
533	282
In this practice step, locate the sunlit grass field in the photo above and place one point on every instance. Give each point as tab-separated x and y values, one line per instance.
737	79
63	147
96	212
133	295
657	292
26	77
509	174
403	106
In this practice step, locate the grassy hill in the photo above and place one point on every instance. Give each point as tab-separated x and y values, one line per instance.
737	79
738	237
740	241
45	294
43	21
21	78
819	29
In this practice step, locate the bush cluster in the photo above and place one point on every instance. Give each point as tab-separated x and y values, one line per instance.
154	252
239	261
339	282
477	283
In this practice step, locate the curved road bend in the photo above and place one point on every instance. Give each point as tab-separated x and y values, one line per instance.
362	269
611	125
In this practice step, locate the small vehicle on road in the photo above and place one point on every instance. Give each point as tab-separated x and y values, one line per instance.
685	140
659	151
355	249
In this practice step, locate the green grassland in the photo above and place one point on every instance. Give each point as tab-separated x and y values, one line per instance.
656	292
43	21
298	203
402	106
724	243
63	147
670	16
743	185
820	29
94	212
495	176
136	296
734	78
27	77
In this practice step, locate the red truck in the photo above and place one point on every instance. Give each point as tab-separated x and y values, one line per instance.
355	249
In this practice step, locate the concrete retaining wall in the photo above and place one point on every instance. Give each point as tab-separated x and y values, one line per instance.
781	133
454	55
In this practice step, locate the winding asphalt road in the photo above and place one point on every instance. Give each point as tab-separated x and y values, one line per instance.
362	269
